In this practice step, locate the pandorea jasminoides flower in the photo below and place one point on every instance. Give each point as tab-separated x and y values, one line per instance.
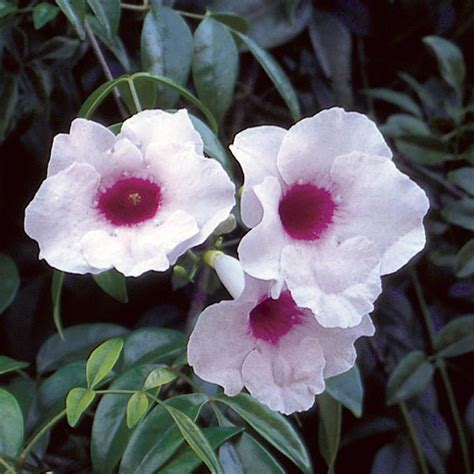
136	201
329	211
274	348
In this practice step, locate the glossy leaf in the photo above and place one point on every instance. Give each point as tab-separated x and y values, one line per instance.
146	93
75	11
102	361
56	290
460	213
215	66
275	73
136	408
272	426
114	284
108	14
235	22
77	344
465	260
78	401
43	13
8	364
9	281
412	374
456	338
399	99
347	389
450	60
186	460
463	178
158	377
196	440
7	8
166	50
329	428
157	438
11	424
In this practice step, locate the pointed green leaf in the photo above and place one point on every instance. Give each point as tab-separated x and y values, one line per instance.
43	13
77	402
9	365
196	440
329	428
108	14
56	290
399	99
11	425
235	22
463	178
410	377
75	11
9	281
136	408
456	338
347	389
460	213
102	361
113	283
158	377
465	261
146	93
6	8
272	426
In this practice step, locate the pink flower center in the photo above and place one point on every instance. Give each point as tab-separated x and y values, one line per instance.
130	201
306	211
272	319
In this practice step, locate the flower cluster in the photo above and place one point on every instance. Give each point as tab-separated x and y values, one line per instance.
328	213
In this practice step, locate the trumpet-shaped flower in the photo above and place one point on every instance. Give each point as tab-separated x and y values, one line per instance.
270	345
135	201
329	211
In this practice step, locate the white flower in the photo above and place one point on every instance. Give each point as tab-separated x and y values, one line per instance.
274	348
136	201
329	211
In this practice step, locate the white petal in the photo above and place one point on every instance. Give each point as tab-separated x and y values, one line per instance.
61	213
338	346
194	184
286	377
219	344
230	274
260	250
256	150
312	144
381	203
158	126
87	142
338	282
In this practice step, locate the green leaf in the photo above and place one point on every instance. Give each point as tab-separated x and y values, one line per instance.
275	73
7	8
9	281
166	50
212	145
290	9
215	66
420	90
75	11
450	60
11	425
272	426
329	429
460	213
78	342
158	377
152	345
77	402
110	433
235	22
9	365
136	408
157	438
347	389
113	283
456	338
412	374
56	290
186	460
8	99
463	178
465	261
102	361
399	99
108	14
43	13
146	93
196	440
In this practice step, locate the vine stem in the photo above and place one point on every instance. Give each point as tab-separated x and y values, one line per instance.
441	365
7	466
195	16
39	434
135	98
105	67
138	8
